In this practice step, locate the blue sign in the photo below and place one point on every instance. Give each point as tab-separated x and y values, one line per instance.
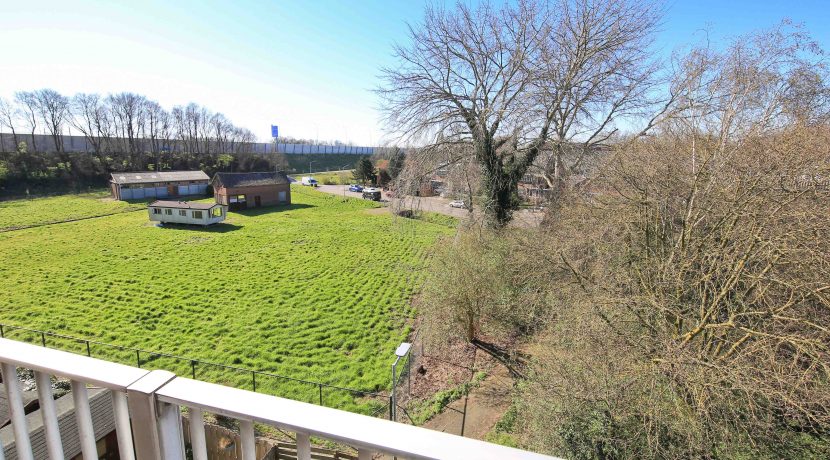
275	131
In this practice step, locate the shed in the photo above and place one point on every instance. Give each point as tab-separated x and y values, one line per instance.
184	212
158	184
251	190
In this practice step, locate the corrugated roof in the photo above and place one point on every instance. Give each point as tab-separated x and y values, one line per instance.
103	422
28	398
180	205
143	177
251	179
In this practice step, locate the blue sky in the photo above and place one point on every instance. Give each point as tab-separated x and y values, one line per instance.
308	66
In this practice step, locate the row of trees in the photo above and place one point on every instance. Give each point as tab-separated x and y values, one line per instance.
124	131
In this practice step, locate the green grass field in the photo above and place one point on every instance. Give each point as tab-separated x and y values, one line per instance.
319	290
39	211
335	177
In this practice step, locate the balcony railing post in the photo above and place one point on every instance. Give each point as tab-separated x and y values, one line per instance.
126	450
83	419
49	414
16	412
170	431
145	414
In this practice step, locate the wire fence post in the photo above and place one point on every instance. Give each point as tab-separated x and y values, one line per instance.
88	351
193	368
2	332
391	401
138	358
43	339
253	374
320	387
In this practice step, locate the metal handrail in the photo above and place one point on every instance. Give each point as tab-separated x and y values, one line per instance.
156	397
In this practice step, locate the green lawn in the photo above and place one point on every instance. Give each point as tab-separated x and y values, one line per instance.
38	211
319	290
334	177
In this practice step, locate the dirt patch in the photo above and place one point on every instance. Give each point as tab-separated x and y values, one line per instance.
437	370
475	415
377	211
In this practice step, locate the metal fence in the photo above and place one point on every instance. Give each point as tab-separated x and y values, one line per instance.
367	402
402	379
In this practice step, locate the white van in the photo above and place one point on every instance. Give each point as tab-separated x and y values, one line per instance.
308	180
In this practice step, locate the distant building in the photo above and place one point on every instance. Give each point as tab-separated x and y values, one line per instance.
251	190
158	184
183	212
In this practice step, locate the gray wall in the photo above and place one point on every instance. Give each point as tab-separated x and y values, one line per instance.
80	144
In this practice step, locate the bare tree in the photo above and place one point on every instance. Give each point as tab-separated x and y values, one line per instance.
155	129
8	117
128	113
92	119
28	109
508	81
53	109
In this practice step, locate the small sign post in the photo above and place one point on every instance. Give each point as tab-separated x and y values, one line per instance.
275	131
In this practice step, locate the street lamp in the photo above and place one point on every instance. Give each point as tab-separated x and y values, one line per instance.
402	351
309	166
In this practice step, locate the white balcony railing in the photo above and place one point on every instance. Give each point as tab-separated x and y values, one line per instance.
147	404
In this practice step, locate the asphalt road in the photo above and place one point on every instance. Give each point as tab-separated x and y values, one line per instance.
523	218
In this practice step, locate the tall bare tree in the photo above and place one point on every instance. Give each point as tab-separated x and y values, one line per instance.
53	109
8	119
128	114
155	128
28	109
516	80
91	118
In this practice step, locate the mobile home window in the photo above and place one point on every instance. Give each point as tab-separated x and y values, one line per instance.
156	211
168	212
197	214
216	212
182	213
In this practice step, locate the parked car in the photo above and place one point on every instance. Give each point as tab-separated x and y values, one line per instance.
355	188
371	194
308	180
458	204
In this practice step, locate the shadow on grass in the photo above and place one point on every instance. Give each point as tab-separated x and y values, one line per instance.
221	227
271	209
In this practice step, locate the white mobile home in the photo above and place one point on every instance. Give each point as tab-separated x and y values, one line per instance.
183	212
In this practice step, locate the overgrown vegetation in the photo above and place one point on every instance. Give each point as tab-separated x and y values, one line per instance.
676	304
318	290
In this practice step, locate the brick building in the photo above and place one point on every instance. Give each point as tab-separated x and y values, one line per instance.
251	190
